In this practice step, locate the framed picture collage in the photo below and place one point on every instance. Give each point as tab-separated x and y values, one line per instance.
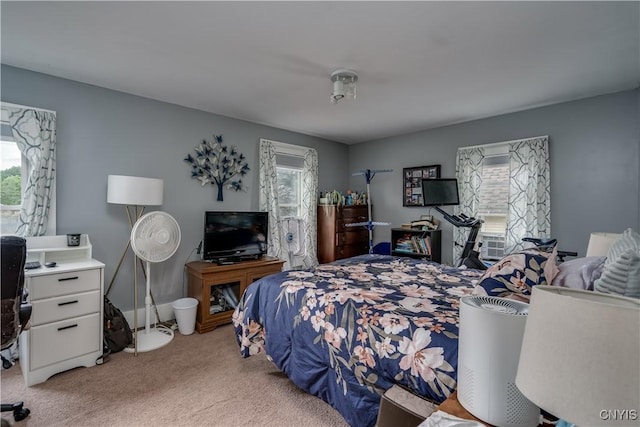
412	183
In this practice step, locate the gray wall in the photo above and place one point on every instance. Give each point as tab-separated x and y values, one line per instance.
594	153
595	158
103	132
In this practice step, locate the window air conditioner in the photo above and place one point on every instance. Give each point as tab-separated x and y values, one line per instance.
492	246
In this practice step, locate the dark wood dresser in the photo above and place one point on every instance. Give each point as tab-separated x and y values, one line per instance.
335	240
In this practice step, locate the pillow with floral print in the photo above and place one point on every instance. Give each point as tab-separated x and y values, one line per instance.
517	273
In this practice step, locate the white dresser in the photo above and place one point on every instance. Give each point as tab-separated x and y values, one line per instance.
66	321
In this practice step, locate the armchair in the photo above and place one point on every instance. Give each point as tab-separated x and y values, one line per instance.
15	310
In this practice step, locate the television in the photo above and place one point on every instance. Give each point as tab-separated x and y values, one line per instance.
440	192
234	236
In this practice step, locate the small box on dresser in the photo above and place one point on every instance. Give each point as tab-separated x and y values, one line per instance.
66	321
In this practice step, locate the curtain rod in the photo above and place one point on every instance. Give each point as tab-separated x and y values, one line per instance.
8	104
504	143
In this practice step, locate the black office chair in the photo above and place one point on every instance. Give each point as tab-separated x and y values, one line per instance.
15	310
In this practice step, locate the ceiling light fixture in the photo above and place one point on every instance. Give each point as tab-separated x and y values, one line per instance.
344	85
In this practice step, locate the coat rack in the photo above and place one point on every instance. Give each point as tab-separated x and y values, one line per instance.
369	224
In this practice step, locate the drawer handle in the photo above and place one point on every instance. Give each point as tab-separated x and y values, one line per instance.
64	279
68	327
60	304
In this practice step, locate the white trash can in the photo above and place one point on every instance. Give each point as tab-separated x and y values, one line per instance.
185	311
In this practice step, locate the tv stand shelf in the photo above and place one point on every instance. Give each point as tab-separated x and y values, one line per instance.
207	278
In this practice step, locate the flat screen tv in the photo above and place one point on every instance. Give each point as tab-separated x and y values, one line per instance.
440	192
234	236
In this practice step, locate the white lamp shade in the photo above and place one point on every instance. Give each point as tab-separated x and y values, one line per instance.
599	243
580	356
134	190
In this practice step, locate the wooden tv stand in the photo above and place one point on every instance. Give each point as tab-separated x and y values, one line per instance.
207	278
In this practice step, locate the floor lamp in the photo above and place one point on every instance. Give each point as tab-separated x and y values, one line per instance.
135	193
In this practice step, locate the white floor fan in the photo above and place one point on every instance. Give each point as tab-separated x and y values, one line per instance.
155	237
293	234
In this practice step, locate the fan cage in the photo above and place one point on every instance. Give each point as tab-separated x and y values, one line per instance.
497	305
293	235
155	237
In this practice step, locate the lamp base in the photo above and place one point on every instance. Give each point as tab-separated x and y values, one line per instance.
152	339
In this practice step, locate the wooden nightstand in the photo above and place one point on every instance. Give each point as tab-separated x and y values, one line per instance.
453	407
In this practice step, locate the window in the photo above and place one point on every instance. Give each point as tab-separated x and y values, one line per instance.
16	171
508	185
289	191
13	168
493	208
289	170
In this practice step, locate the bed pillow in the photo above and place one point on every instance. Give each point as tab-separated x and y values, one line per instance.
517	273
579	273
621	273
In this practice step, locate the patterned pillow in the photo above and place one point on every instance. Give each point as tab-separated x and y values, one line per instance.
621	273
517	273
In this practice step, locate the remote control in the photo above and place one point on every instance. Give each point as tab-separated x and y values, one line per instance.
50	264
31	265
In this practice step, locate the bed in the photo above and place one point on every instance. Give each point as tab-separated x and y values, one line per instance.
349	330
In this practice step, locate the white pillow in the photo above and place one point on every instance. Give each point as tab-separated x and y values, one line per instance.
579	273
621	273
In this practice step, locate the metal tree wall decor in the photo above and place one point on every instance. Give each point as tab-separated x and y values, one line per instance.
217	164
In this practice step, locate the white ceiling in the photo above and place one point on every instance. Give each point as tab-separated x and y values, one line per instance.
421	64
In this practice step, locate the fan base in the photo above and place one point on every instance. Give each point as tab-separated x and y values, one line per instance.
152	339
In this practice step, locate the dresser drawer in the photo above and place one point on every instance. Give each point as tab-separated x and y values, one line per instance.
53	285
348	251
342	227
54	342
351	238
355	217
64	307
353	211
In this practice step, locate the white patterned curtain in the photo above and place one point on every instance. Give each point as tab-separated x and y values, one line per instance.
469	175
34	132
529	211
268	182
269	202
309	207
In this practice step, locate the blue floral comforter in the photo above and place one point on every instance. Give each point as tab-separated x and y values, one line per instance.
349	330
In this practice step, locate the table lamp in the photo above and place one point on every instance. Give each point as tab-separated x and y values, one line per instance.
580	356
599	243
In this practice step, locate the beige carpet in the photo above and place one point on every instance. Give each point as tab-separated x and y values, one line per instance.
196	380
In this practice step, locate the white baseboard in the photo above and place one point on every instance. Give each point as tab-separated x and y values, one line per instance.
164	310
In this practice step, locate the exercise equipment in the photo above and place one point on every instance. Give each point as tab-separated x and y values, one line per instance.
547	245
469	257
